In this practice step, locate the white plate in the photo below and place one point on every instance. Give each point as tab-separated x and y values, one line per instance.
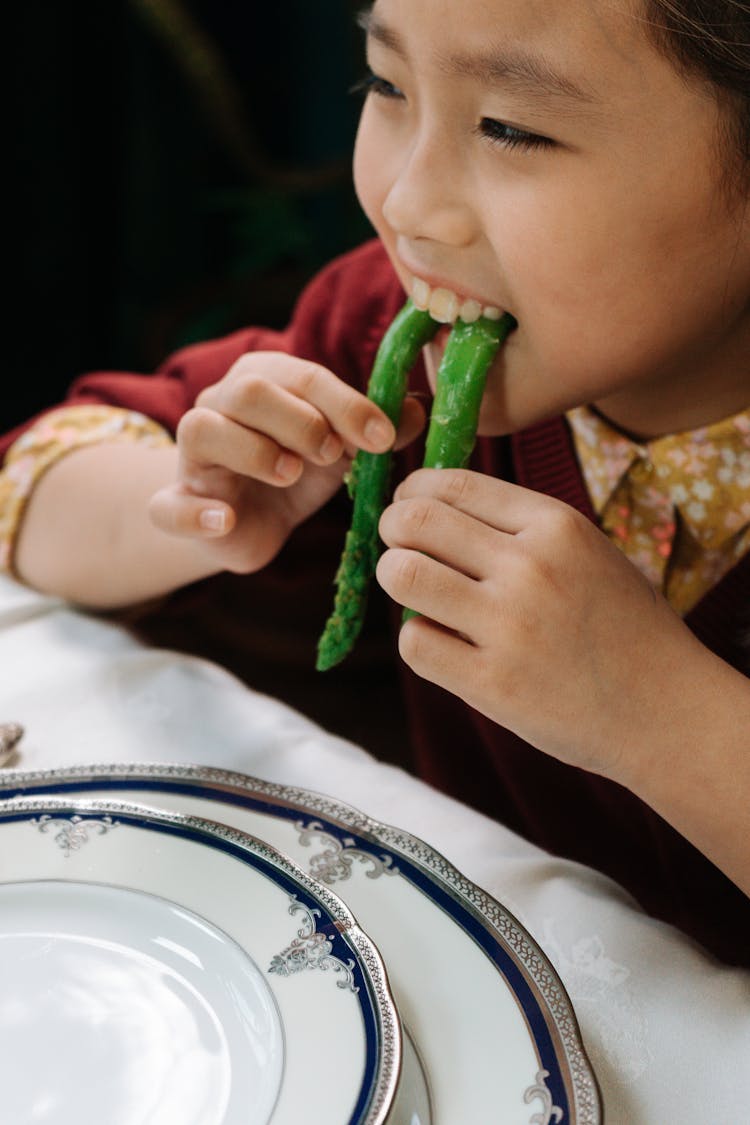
493	1025
162	968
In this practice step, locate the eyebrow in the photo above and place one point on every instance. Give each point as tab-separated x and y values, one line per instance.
531	75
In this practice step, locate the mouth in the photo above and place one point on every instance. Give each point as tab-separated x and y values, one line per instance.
446	306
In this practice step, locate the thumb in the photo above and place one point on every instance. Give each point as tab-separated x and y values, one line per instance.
177	512
413	419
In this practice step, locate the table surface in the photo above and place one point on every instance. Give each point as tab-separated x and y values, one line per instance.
667	1029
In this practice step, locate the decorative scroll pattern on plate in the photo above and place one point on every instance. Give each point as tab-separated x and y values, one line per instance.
539	1092
311	950
77	817
336	862
587	1106
73	831
527	952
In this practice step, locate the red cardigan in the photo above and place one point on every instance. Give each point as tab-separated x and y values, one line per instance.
264	627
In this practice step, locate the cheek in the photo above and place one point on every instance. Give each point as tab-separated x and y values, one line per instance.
370	179
581	296
628	254
552	258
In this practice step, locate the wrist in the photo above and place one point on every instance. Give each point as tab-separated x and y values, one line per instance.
86	535
692	767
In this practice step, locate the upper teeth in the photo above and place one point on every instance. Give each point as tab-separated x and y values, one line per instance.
444	305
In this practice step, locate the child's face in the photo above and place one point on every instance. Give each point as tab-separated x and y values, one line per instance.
627	269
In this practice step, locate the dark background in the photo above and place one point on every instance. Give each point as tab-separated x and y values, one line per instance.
178	169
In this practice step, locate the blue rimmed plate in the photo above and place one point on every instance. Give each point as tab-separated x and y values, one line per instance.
490	1018
156	966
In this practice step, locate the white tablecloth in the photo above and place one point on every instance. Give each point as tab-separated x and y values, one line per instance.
667	1029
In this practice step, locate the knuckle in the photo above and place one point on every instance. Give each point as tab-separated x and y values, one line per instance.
208	396
355	413
240	364
398	571
250	392
250	382
412	644
166	513
225	389
416	515
313	430
564	523
249	363
455	486
530	576
257	456
194	428
407	571
564	560
306	379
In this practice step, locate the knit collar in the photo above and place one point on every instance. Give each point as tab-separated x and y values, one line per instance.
705	473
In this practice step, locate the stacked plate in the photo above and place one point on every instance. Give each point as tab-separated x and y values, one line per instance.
185	946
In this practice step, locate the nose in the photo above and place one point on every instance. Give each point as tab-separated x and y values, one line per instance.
426	198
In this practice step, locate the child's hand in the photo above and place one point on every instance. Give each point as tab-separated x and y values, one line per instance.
263	449
534	618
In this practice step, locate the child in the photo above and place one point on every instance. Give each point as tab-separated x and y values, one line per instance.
584	166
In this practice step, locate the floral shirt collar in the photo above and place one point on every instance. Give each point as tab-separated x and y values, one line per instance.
703	474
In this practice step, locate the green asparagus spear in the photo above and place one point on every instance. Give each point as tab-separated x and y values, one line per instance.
368	484
450	441
461	379
460	386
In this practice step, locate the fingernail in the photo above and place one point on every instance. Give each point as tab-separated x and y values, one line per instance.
378	432
287	466
213	519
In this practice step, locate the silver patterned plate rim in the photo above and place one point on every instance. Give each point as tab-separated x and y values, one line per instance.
382	1025
485	920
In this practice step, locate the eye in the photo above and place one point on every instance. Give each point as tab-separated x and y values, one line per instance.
374	84
510	137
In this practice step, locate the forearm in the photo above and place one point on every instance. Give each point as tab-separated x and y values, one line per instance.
86	534
696	772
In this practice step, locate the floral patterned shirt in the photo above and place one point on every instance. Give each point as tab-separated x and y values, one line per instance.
678	506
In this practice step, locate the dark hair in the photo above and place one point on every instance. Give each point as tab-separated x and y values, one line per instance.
710	39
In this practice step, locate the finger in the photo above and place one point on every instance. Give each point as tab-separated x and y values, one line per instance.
182	514
431	588
447	534
208	439
292	422
498	503
435	654
349	414
411	424
413	419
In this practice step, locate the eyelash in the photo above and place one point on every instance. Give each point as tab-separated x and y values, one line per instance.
373	84
496	132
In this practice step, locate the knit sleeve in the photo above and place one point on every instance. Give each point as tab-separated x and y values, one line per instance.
337	322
